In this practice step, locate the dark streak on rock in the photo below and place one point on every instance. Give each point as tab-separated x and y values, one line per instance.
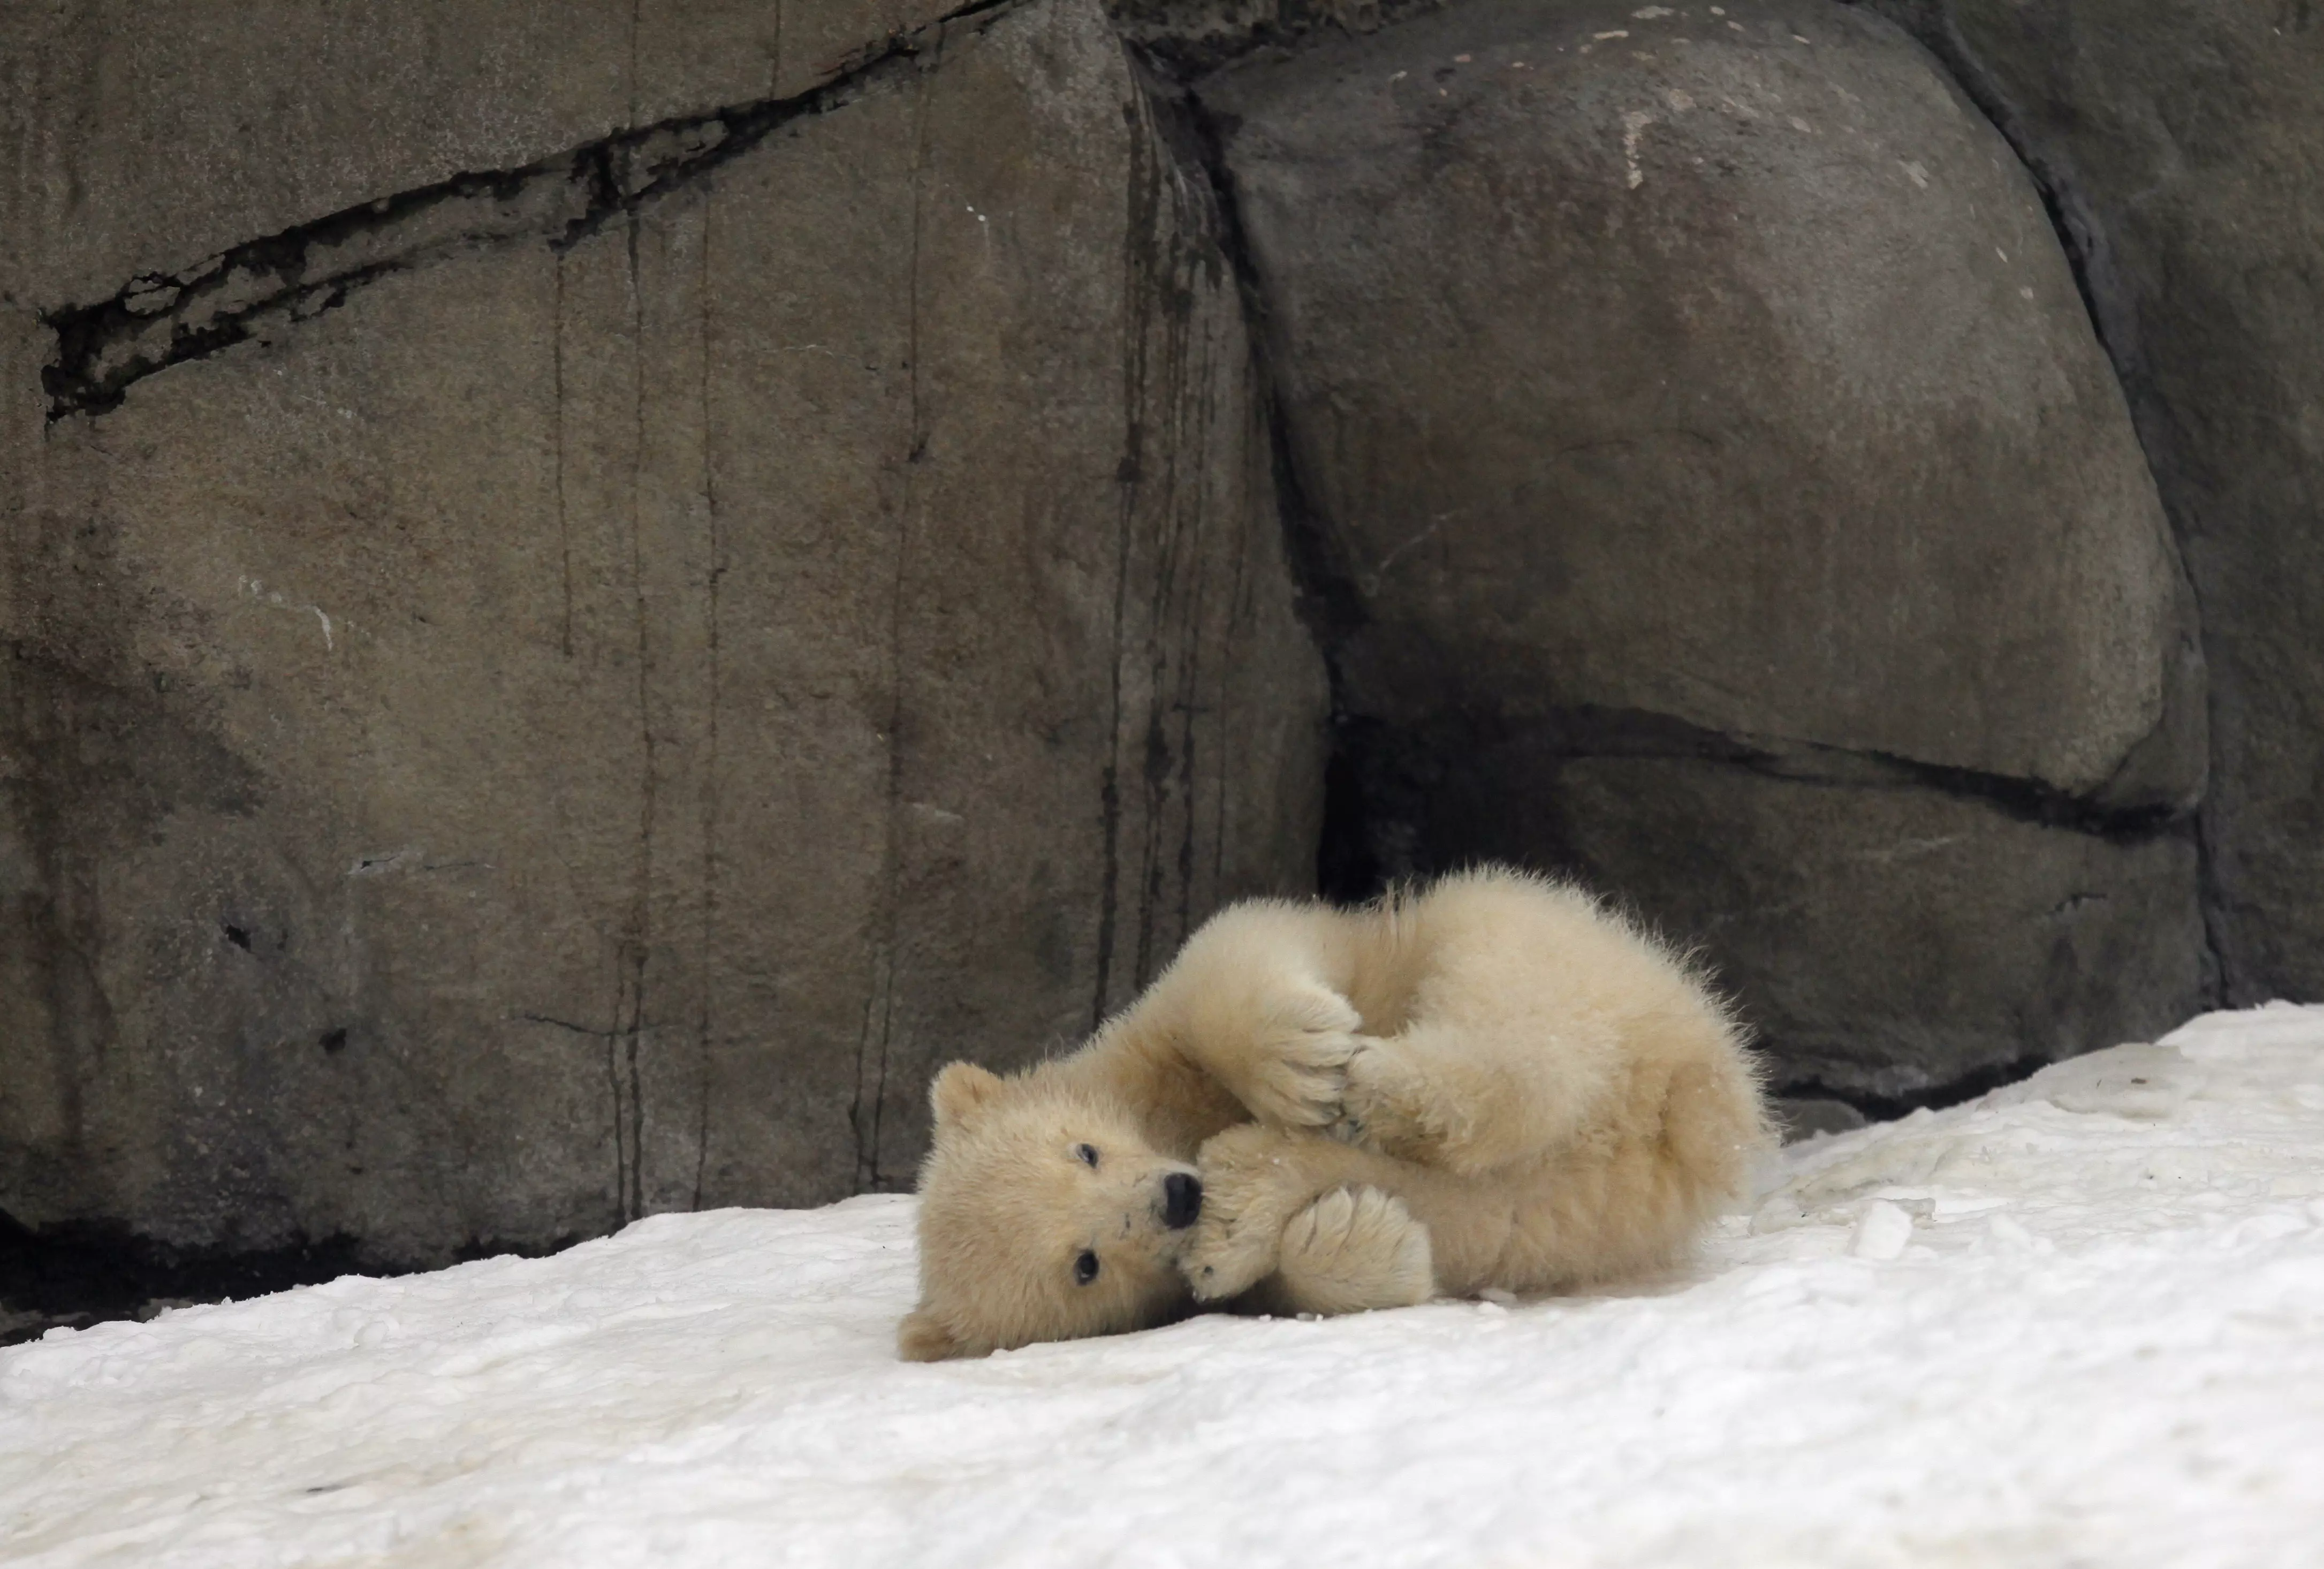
75	1273
1329	604
710	802
1177	43
569	1025
2113	315
1969	1087
266	285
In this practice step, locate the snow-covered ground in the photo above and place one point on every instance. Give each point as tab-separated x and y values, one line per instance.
2081	1321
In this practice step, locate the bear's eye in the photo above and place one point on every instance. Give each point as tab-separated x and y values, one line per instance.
1084	1265
1086	1154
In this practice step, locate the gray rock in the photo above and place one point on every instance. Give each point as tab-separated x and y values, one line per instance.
583	724
2183	146
1724	370
1803	1117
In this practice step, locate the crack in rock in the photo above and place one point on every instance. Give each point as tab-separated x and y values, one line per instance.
261	287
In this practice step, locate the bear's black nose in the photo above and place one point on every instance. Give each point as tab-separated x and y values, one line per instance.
1181	1201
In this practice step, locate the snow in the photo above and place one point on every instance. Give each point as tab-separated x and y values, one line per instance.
2079	1321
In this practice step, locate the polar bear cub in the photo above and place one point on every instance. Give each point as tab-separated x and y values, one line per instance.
1491	1083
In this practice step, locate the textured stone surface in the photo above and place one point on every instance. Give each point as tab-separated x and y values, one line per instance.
1192	36
2183	145
1725	370
581	724
1729	500
143	137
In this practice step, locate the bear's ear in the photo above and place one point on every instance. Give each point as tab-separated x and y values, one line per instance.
922	1337
959	1091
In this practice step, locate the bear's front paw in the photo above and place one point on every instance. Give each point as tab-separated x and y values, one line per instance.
1354	1250
1252	1185
1294	1073
1386	1106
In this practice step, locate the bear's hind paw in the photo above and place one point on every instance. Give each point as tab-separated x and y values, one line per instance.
1354	1250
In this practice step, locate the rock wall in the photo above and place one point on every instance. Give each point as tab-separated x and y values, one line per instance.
592	590
563	690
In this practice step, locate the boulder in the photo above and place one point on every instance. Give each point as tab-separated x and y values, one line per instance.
1713	383
580	717
2182	147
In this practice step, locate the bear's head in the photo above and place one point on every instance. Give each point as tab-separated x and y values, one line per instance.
1043	1216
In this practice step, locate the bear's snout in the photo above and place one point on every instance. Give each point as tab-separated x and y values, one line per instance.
1182	1200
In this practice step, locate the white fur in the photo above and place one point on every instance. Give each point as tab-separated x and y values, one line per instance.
1492	1082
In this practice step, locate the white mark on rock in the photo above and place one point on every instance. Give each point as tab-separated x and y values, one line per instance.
1650	13
1461	59
1399	75
1797	39
979	217
2026	293
1633	122
1911	849
1882	1232
1799	124
1718	11
1917	174
1735	26
1678	99
259	591
2000	252
1380	573
1602	37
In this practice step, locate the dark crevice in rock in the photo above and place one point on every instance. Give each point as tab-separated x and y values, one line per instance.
264	286
1879	1108
1381	778
2222	987
1185	39
75	1273
1329	604
2082	237
2079	234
